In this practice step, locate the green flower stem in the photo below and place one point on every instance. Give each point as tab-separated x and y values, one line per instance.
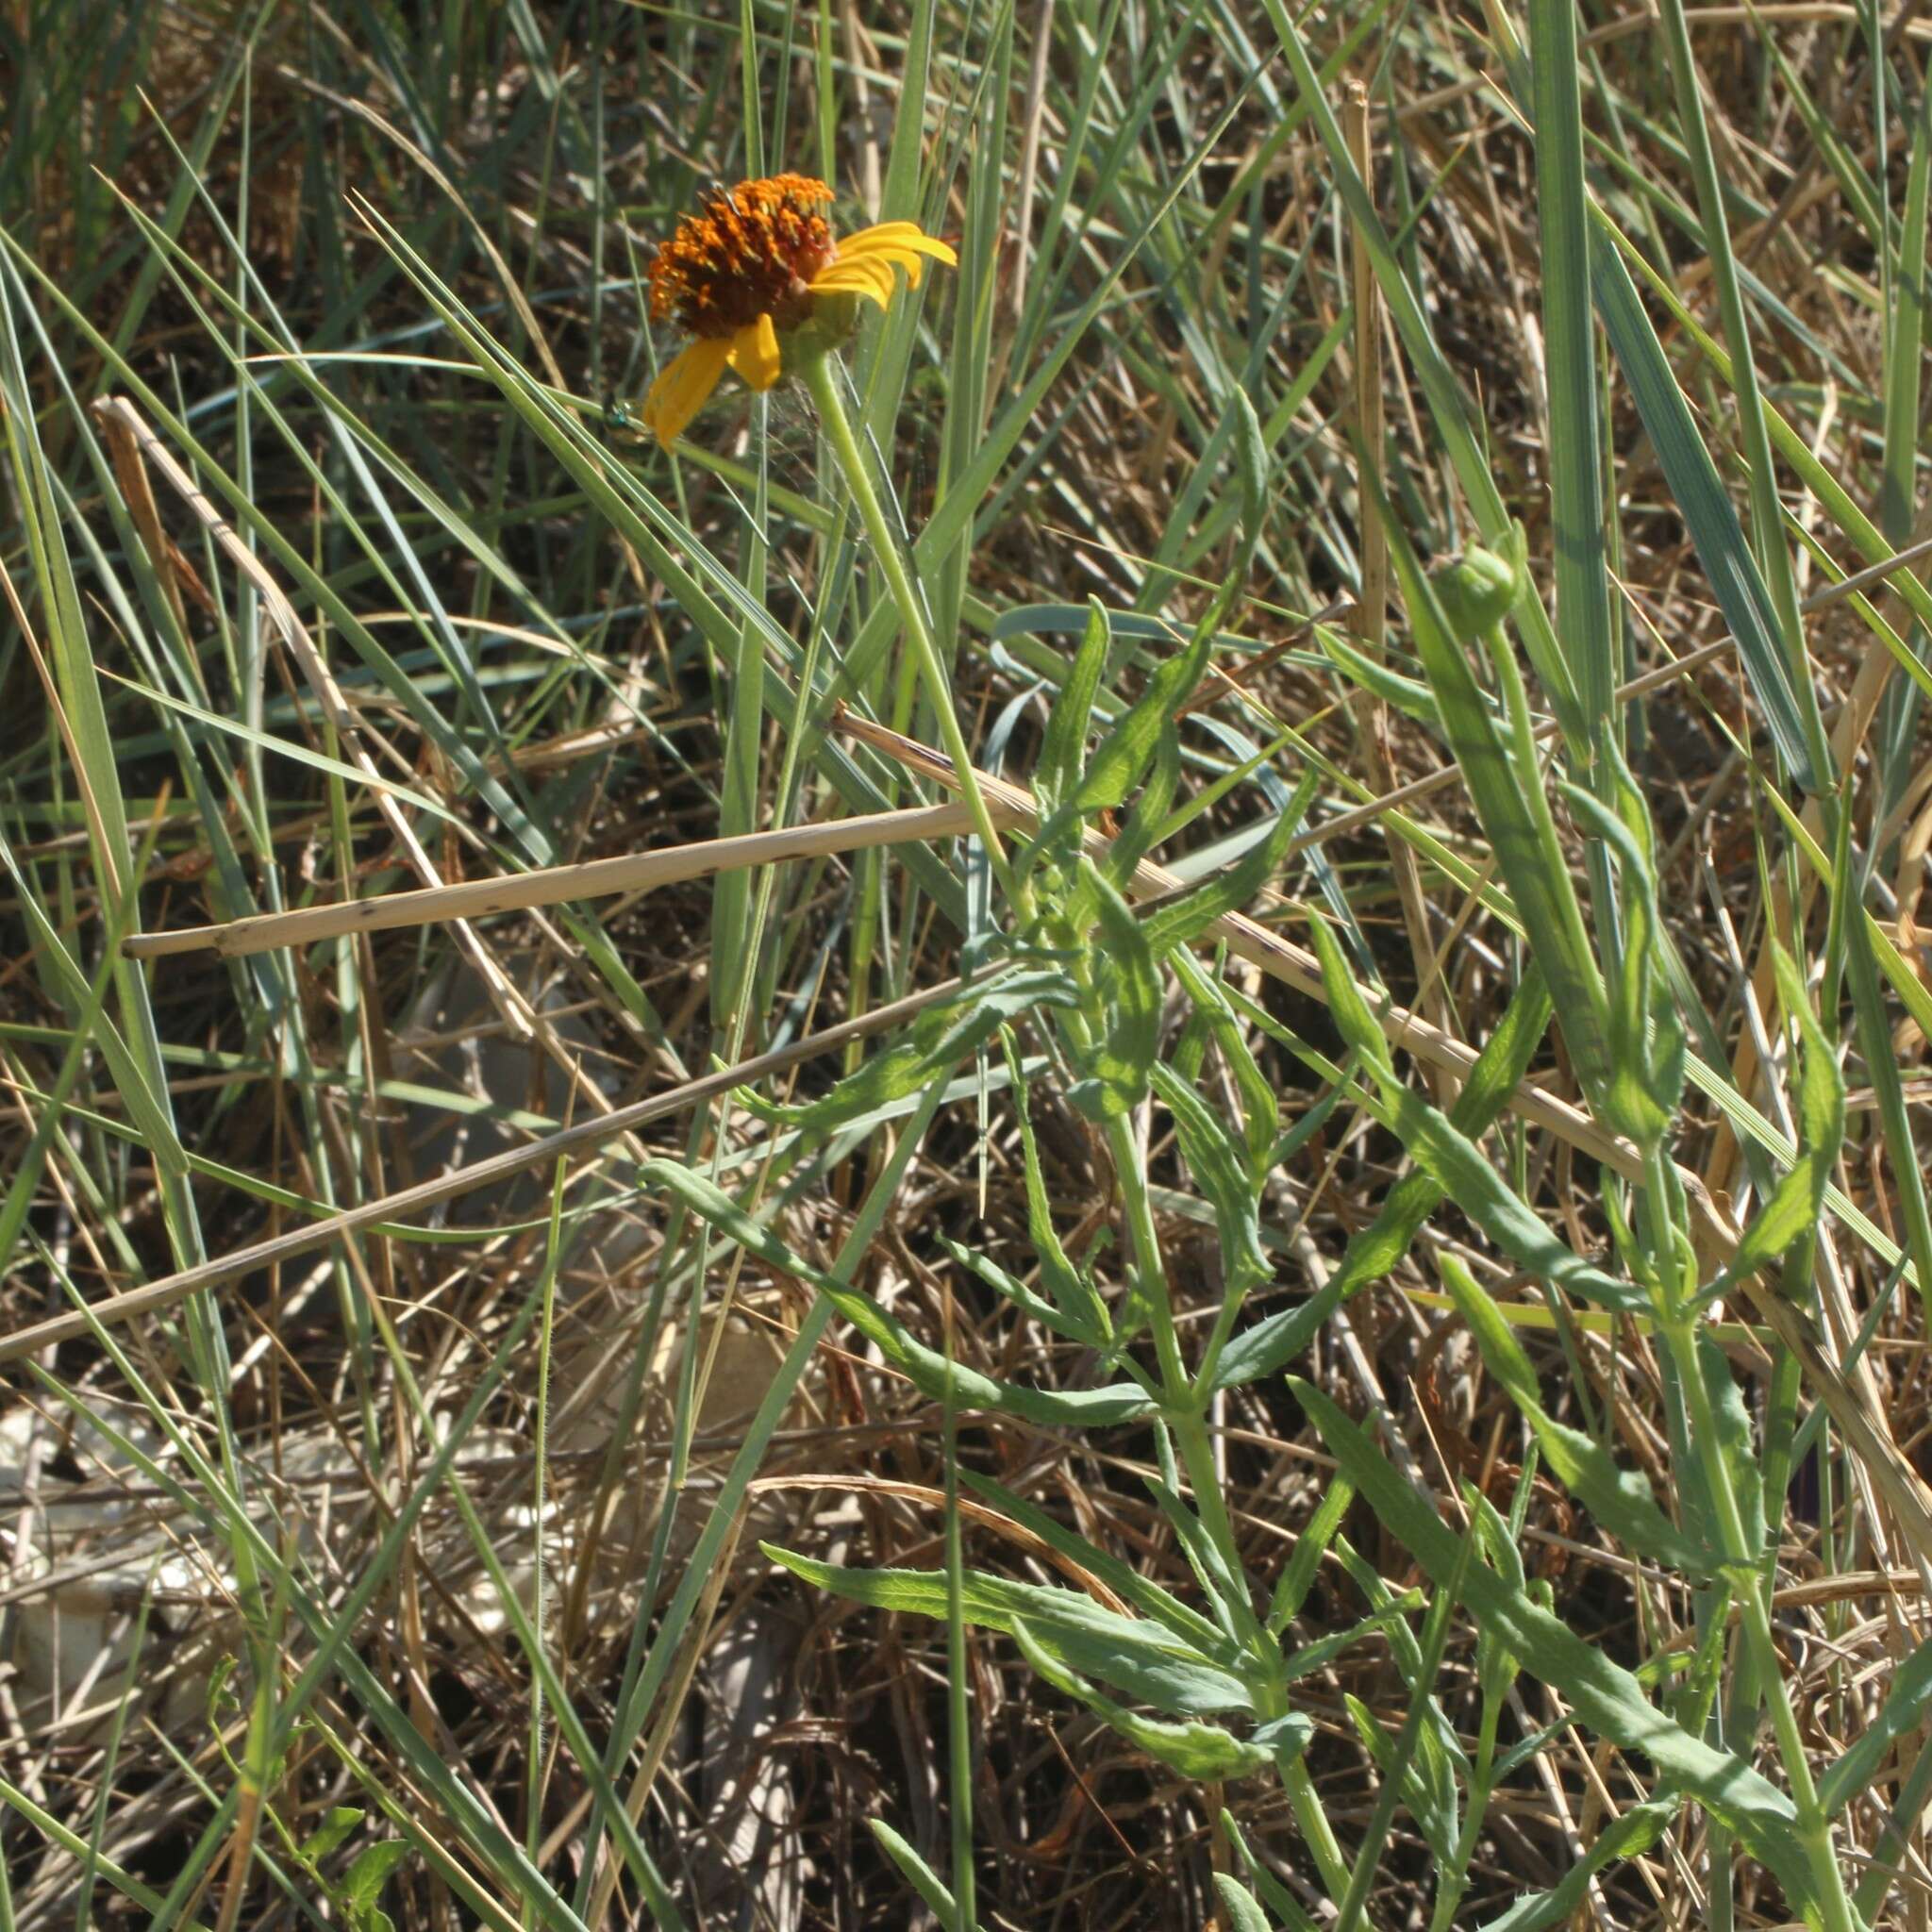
1190	1433
1741	1560
1195	1443
1453	1878
822	382
1813	1827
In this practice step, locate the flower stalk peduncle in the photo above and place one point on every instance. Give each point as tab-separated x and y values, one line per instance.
822	384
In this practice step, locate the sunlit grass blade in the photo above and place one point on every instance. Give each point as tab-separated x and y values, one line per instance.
1583	593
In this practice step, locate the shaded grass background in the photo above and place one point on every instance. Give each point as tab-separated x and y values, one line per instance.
554	645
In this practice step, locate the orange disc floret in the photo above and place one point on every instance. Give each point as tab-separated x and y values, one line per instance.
749	251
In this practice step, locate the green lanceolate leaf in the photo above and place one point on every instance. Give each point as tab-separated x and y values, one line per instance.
1145	1660
1072	1288
1218	1165
1906	1704
1600	1692
1627	1837
917	1873
1737	1438
1244	1913
928	1370
1792	1211
1646	1037
1620	1499
984	1268
1182	921
1126	1583
1499	1539
1373	1253
1409	695
1251	464
1699	495
1358	1025
1063	751
942	1038
1419	1785
1125	753
1195	1750
1454	1161
1261	1109
1298	1573
1117	1066
1276	1895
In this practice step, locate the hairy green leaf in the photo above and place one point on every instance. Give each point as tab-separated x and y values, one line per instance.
1195	1750
1144	1659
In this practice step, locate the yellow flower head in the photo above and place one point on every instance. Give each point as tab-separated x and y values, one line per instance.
748	268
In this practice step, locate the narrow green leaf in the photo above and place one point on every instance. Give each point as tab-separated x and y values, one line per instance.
1201	1751
1908	1697
1189	1625
1125	751
1620	1499
1127	986
1501	1065
1409	695
1218	1165
1062	752
1798	1200
942	1037
1628	1836
1576	444
1298	1573
1701	499
1601	1692
917	1873
1275	1894
1182	921
1436	1828
1465	1175
927	1369
1244	1913
1070	1287
1250	462
1133	1653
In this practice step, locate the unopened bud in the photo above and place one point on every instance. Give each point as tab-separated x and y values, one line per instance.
1479	589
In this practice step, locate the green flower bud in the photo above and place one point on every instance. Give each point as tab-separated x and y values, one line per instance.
1480	588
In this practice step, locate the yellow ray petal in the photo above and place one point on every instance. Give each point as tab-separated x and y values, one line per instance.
896	235
893	256
870	290
855	279
753	352
907	233
682	387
